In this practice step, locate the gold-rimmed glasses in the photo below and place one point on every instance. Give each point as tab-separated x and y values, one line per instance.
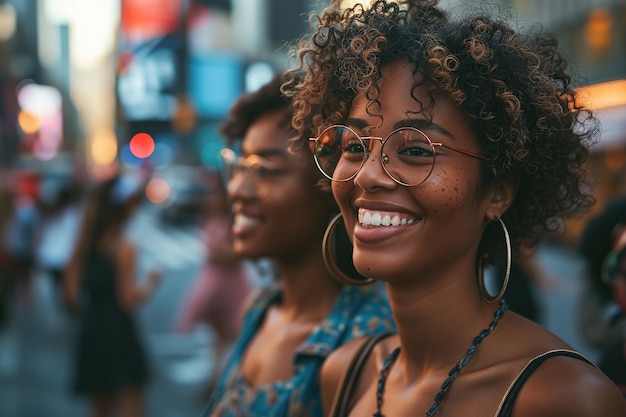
407	154
259	171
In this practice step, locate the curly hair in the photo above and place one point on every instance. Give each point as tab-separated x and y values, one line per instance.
515	89
250	106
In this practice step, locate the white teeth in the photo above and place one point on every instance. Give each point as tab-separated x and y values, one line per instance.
244	221
368	218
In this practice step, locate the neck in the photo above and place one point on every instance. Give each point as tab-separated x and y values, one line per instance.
452	374
449	319
309	291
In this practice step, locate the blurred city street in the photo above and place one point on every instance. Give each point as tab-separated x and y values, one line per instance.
36	348
91	90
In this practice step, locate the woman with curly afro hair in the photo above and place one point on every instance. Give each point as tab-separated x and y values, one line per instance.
447	143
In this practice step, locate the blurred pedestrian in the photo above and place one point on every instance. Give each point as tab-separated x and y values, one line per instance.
7	261
602	321
216	297
282	214
60	206
613	357
100	285
20	231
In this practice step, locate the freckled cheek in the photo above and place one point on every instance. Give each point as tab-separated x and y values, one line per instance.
445	191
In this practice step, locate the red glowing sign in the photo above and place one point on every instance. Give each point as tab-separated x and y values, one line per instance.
146	19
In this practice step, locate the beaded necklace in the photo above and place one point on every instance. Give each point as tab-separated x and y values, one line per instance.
391	358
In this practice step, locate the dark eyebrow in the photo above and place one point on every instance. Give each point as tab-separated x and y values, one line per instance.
356	123
418	123
265	153
425	125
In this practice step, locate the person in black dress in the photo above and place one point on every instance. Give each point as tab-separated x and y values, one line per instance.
99	285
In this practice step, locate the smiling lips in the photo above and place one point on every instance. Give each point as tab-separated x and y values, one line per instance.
376	218
243	223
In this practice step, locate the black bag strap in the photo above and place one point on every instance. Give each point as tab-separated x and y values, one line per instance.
350	375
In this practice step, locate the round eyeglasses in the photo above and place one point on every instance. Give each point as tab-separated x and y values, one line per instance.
407	154
259	171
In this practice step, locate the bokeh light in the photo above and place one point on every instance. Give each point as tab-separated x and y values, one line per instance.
40	116
157	190
8	21
598	30
141	145
257	74
103	147
603	95
29	122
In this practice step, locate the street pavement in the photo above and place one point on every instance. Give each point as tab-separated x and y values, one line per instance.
36	348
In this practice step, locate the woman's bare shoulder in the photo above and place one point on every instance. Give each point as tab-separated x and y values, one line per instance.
561	385
339	359
568	386
553	382
338	362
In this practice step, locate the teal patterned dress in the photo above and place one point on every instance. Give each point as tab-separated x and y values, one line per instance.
358	311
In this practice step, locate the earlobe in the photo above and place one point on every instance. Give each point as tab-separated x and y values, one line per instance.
501	195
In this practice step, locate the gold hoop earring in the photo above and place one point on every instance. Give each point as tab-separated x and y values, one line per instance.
337	254
482	286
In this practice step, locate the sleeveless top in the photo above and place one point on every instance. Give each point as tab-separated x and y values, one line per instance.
506	406
358	311
352	370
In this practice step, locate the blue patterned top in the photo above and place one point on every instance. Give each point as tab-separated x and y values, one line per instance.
357	312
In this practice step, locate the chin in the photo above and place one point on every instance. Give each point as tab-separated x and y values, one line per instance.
245	250
372	268
383	265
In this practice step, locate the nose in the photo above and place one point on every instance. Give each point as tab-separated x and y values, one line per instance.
240	186
372	175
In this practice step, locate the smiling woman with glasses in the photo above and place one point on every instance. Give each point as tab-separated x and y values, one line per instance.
280	215
447	143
